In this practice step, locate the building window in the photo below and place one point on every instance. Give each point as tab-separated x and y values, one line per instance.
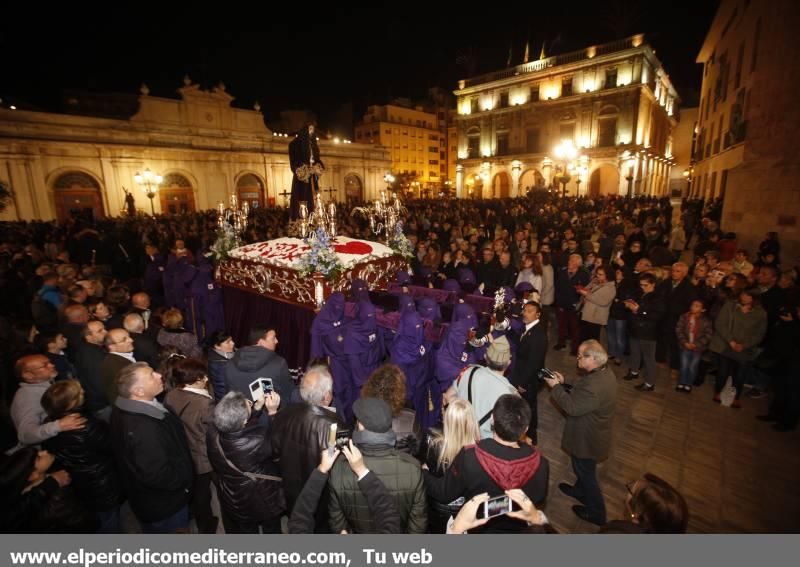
723	182
534	93
473	106
739	62
474	146
756	39
387	131
606	132
503	99
713	185
434	137
442	155
433	162
433	149
566	86
532	141
502	144
566	131
611	78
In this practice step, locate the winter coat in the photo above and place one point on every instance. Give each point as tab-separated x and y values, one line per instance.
250	490
589	408
703	332
745	328
195	412
597	303
491	467
253	362
399	472
86	454
152	457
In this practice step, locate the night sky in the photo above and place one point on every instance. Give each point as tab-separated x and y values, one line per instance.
321	58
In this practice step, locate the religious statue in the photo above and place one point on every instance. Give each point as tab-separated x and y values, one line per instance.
306	167
130	204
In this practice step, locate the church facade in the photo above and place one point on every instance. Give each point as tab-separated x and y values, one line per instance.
595	121
205	150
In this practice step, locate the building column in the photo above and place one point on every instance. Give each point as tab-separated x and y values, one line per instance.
459	180
516	173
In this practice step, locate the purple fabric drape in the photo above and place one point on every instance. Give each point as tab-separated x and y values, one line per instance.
244	310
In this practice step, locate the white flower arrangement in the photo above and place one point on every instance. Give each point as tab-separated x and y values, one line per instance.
399	243
225	242
321	258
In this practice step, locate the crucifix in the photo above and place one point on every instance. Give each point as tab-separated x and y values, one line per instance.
285	195
330	191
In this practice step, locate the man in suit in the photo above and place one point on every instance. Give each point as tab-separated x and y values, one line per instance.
145	347
589	407
530	360
120	354
679	293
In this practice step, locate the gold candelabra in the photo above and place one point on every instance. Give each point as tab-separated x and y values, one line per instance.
383	214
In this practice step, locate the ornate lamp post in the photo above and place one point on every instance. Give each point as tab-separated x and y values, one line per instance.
565	152
149	182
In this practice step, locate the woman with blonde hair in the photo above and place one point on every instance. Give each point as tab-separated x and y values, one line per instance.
460	429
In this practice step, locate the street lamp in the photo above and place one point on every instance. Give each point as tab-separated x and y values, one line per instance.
565	152
630	163
149	183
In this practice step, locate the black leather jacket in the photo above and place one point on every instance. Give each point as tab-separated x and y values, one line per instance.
86	454
249	489
299	433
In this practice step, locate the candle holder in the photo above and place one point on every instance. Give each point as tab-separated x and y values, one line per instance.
382	215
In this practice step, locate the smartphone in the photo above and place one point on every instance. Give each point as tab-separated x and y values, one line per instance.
256	391
342	438
497	506
266	385
260	387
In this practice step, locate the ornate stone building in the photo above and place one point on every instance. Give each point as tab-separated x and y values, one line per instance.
614	105
205	150
748	144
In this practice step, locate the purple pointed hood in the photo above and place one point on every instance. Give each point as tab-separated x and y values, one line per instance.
361	333
429	309
331	316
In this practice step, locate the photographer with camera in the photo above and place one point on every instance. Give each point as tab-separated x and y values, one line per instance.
589	407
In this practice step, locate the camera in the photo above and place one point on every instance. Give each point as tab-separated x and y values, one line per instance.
546	373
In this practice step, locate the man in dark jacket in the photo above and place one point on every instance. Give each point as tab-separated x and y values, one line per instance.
568	279
679	294
250	492
151	451
89	358
530	360
145	347
647	309
399	472
589	407
259	361
496	465
382	507
300	434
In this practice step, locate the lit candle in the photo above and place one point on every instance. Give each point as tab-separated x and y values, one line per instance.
332	210
245	209
303	210
221	208
233	201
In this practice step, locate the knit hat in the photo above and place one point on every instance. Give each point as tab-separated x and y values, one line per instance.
374	414
499	352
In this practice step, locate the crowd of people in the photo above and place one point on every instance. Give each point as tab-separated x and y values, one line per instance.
122	385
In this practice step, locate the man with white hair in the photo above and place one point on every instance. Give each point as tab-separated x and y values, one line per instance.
569	279
145	347
589	407
152	452
300	434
